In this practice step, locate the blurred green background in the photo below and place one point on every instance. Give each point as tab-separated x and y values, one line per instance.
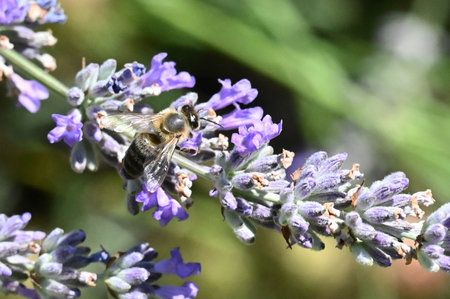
367	77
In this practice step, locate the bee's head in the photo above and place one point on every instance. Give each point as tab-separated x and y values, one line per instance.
191	115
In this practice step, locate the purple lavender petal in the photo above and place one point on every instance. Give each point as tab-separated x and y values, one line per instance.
252	138
165	75
241	92
68	128
175	265
148	200
31	93
165	214
241	117
12	12
187	291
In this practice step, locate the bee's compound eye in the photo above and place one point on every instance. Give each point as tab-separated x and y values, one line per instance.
175	123
186	108
194	122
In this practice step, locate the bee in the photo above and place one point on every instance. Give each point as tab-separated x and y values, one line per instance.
154	142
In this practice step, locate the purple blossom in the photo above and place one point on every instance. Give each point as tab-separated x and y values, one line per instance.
12	12
31	93
241	117
252	138
165	75
128	276
239	93
175	265
166	206
186	291
68	128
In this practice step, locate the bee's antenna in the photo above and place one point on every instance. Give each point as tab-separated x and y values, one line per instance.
208	120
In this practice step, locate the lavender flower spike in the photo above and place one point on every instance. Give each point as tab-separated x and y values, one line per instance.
434	252
16	244
133	275
68	128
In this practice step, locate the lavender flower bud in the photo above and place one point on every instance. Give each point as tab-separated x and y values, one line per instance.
133	276
361	255
75	96
261	214
310	209
377	215
243	181
78	159
107	69
229	201
242	229
305	187
316	158
59	290
87	77
117	285
333	163
391	185
435	233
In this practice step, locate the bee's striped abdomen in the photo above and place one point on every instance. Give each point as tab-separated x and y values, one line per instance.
140	151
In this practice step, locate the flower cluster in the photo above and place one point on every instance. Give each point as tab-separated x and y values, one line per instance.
134	274
17	18
101	90
57	271
434	249
249	179
16	245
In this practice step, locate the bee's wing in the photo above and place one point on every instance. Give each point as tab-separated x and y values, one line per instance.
156	170
129	121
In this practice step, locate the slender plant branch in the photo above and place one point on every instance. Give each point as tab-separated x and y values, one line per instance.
34	71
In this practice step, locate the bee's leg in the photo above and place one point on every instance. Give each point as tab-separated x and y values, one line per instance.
132	187
188	150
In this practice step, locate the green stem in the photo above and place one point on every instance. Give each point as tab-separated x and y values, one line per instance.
34	71
203	171
199	170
